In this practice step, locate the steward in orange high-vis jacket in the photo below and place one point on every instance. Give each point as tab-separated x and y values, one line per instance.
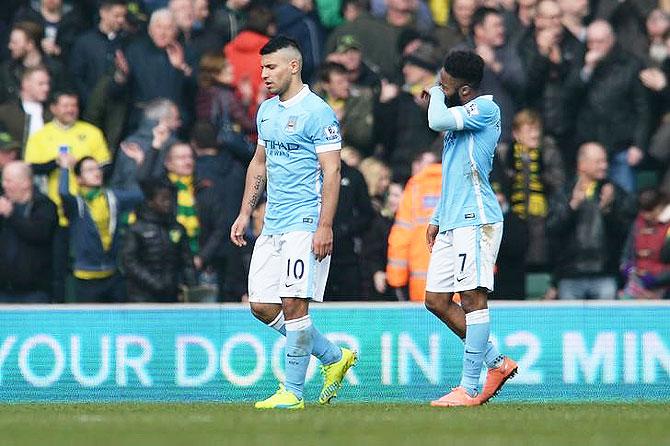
408	253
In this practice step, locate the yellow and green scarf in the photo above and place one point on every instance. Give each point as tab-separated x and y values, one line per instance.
186	212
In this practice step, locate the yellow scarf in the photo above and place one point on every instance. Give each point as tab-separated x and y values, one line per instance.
186	212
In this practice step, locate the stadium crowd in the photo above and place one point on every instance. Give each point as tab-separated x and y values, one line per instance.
126	128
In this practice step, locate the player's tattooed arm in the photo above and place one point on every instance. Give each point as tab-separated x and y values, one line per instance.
257	190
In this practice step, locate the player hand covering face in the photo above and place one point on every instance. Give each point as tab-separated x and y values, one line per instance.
465	231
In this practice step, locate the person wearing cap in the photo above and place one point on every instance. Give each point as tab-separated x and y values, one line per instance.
10	150
28	221
349	52
354	107
403	118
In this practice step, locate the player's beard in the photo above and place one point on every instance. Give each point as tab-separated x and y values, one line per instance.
453	100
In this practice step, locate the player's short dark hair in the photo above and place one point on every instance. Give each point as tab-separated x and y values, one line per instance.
328	68
279	43
466	66
78	165
151	187
480	15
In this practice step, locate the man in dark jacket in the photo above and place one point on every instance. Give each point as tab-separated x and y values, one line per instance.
156	66
24	46
94	51
296	20
156	255
588	223
352	217
26	114
612	104
28	221
550	53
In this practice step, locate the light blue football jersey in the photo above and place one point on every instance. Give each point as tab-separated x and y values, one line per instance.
467	197
293	132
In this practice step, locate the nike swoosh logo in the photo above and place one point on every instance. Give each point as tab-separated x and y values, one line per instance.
263	120
468	351
461	279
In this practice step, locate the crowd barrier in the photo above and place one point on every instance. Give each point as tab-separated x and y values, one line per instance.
577	351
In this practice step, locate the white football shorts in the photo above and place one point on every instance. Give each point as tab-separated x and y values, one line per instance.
284	265
463	259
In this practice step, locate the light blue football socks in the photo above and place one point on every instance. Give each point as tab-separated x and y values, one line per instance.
299	344
476	339
324	350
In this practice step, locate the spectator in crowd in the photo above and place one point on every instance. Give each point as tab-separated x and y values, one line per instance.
295	19
612	104
527	173
377	176
26	53
655	79
353	216
351	156
156	256
657	26
353	107
219	103
220	186
549	54
159	112
574	17
510	271
518	18
243	52
457	29
374	249
377	37
25	115
155	67
60	24
403	120
589	221
10	150
642	263
28	221
64	134
198	205
503	71
627	18
408	255
94	51
230	19
349	52
93	215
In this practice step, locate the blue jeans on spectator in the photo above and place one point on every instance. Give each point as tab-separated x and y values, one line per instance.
25	297
587	288
621	173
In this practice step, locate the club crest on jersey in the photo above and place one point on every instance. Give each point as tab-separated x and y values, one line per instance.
291	124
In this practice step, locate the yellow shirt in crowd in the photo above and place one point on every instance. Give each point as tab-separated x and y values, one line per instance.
82	138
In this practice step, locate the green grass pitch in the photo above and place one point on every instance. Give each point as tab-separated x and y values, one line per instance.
502	424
